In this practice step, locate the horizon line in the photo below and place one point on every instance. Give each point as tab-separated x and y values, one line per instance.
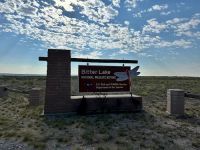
27	74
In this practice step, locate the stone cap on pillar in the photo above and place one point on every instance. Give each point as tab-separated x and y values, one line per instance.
175	91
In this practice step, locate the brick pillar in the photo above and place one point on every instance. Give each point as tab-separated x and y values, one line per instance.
58	82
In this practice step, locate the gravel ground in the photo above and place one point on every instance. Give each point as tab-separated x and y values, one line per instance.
13	145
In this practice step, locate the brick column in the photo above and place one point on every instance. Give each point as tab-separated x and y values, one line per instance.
58	82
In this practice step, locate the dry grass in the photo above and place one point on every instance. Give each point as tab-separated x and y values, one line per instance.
150	129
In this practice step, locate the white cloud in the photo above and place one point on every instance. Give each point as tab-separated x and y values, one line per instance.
130	4
176	26
176	43
126	22
8	7
154	26
158	7
66	4
19	7
175	21
165	13
191	24
94	55
48	24
116	3
97	11
153	8
145	55
182	43
182	3
184	26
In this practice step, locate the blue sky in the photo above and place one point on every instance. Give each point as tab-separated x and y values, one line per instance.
163	35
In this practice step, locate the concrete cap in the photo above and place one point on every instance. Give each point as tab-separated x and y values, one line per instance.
175	90
36	89
105	96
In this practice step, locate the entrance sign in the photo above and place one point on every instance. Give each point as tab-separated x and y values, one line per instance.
58	98
104	78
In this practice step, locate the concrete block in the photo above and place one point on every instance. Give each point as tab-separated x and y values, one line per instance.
36	97
3	91
175	101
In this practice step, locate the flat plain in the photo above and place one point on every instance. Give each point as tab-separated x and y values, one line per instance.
23	127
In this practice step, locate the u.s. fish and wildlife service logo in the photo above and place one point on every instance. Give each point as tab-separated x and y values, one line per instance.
123	76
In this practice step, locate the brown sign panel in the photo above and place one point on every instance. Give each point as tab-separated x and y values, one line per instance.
103	78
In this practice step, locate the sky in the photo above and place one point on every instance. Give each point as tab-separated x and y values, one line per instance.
163	35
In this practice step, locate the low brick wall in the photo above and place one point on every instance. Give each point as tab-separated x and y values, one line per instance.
90	104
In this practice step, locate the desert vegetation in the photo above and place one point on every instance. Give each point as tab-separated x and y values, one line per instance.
23	127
